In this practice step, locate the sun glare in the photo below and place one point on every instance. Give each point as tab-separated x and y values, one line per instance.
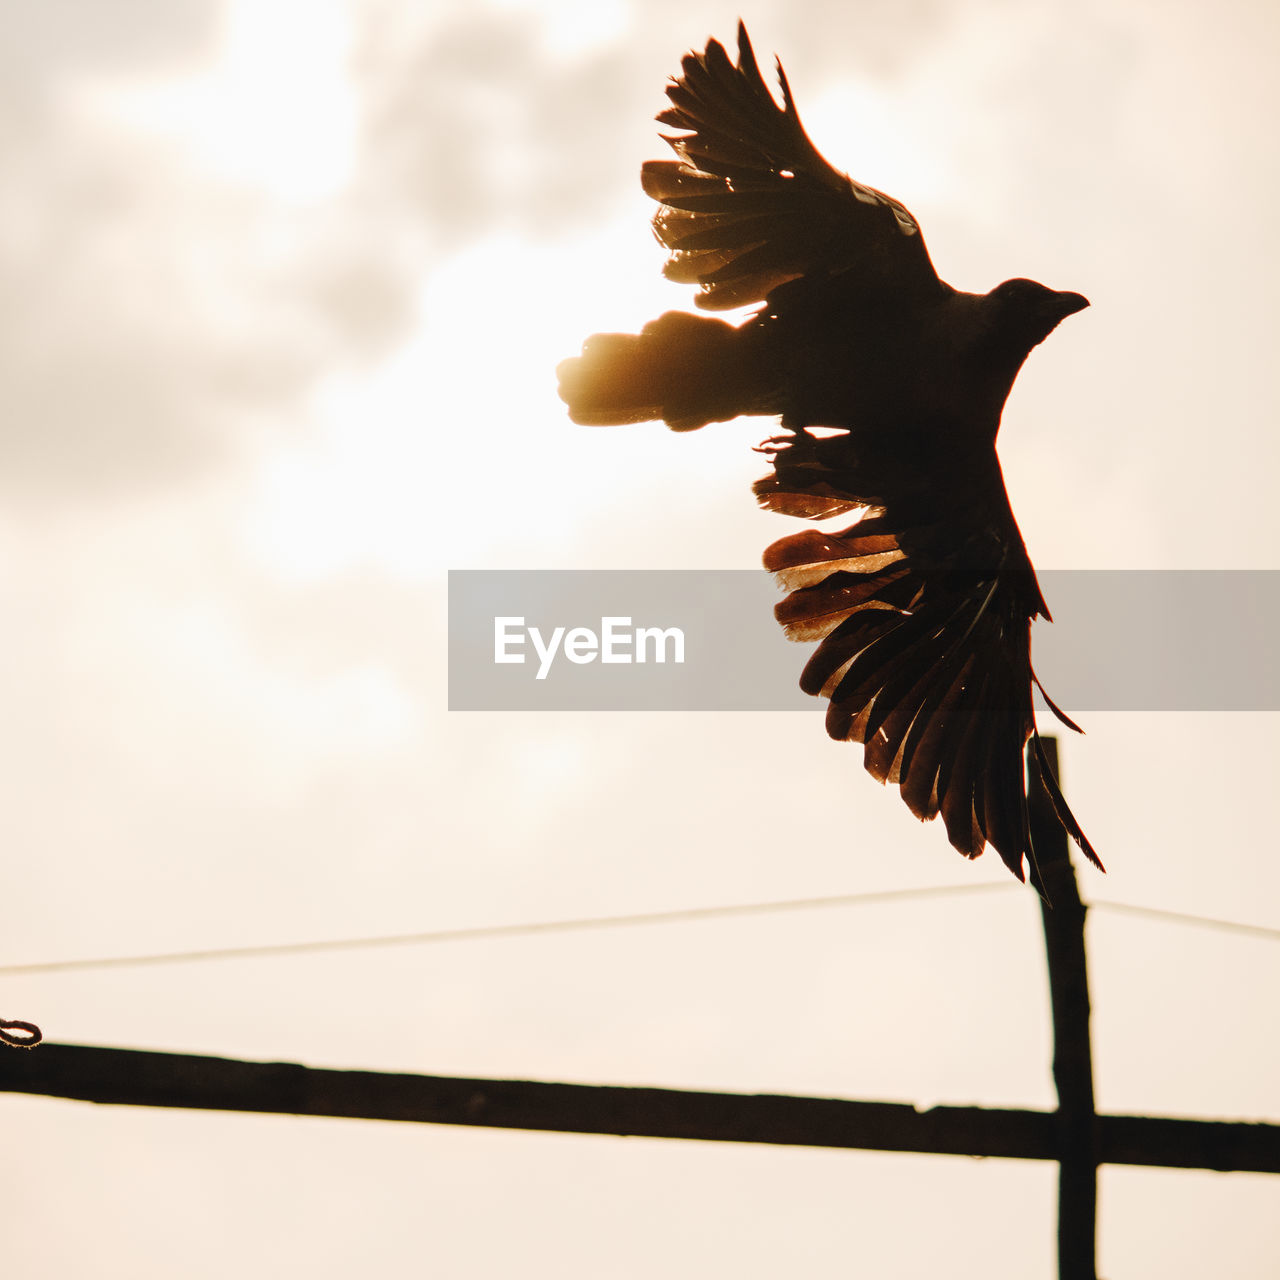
420	464
273	110
863	131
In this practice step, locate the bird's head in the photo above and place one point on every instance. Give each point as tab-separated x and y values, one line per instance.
1028	312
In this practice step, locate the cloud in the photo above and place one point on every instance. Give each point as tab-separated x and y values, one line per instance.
171	301
57	36
150	312
477	128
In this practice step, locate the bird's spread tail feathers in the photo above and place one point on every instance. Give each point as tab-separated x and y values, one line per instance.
683	369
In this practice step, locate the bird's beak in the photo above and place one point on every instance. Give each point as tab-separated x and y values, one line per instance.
1069	303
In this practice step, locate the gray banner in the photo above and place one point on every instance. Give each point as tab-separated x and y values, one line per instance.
672	640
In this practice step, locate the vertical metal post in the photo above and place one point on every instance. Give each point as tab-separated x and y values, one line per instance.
1063	916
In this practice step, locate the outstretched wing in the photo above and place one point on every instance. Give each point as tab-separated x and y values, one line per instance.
751	204
923	613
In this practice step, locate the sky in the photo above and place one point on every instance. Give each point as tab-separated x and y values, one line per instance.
285	285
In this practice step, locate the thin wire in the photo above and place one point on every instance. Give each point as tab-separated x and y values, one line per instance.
503	930
1182	917
605	922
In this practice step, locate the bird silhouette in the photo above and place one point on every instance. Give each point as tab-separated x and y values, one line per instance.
890	385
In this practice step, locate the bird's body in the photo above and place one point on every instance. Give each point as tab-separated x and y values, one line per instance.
923	607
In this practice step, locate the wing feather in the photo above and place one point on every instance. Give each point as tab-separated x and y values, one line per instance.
924	634
750	204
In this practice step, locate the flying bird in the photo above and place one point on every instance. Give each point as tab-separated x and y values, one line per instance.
889	385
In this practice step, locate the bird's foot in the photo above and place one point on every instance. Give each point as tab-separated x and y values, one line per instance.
775	444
